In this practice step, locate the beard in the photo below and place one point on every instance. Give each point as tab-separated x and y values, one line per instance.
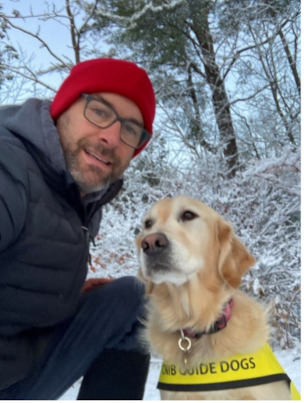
89	177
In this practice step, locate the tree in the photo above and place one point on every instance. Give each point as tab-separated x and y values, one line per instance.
71	19
179	37
7	52
272	29
221	66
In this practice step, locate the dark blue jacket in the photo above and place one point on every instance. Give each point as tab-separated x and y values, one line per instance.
44	235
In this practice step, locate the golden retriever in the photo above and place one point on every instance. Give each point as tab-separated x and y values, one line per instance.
198	319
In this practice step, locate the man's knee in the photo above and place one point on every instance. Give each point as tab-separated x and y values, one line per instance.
129	289
125	296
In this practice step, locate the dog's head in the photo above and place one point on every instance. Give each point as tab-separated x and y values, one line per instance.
182	238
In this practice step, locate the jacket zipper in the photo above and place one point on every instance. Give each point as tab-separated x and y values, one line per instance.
89	239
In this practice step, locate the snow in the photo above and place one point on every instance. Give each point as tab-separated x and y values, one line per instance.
289	359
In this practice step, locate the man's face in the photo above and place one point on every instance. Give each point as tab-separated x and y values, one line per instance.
96	157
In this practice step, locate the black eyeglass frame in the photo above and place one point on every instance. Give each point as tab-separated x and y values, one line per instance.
145	135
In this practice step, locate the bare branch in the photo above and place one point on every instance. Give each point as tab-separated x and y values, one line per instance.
29	75
36	36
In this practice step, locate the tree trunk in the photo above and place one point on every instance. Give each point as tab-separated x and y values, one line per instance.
291	62
219	96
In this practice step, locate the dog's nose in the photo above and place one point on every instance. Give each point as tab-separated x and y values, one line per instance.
154	243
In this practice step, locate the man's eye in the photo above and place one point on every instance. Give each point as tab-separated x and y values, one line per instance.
188	215
99	112
131	130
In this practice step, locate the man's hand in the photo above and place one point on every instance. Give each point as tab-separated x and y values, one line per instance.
95	282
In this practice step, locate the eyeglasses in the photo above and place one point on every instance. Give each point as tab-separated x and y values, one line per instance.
101	114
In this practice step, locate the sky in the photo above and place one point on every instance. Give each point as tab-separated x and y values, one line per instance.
51	31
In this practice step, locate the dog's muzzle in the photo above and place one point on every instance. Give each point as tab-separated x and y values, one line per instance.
154	244
156	252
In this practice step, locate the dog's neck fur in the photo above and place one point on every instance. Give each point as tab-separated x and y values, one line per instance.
217	326
186	308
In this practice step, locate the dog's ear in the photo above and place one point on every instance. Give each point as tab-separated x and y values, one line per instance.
234	258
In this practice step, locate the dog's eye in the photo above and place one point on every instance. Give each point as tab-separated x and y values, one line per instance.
148	224
188	215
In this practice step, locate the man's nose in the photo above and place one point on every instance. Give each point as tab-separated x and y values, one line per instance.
111	135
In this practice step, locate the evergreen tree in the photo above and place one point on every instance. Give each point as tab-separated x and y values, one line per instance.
174	38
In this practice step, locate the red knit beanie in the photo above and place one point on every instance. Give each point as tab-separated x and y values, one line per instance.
108	75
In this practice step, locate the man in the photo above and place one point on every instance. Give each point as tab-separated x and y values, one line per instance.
60	162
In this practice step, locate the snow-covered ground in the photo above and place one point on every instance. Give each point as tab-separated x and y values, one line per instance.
289	359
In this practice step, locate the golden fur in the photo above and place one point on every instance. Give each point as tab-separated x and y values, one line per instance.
188	288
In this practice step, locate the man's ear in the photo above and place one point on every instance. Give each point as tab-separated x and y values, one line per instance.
234	258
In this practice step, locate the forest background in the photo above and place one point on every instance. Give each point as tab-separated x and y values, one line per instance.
227	80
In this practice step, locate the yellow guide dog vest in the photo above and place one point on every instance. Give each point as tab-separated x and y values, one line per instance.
238	371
